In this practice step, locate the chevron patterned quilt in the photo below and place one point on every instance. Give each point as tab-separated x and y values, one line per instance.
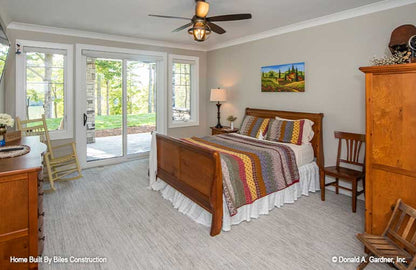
251	168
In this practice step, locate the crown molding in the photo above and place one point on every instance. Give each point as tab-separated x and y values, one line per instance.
101	36
335	17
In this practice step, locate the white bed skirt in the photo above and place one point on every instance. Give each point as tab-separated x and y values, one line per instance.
308	182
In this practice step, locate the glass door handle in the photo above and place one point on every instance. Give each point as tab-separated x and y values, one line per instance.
85	119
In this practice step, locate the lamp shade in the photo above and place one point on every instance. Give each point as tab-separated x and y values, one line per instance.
218	95
201	9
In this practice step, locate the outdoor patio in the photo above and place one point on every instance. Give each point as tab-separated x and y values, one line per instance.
112	146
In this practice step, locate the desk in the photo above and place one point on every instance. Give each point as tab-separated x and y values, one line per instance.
21	214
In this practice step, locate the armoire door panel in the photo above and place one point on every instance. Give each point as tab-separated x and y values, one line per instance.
393	120
387	187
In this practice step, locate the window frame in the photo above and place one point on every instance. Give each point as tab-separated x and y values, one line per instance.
194	93
5	61
4	41
68	131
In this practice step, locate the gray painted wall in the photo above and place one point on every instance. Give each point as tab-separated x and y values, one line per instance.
10	81
332	54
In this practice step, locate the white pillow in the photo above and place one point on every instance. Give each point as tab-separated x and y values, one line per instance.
308	133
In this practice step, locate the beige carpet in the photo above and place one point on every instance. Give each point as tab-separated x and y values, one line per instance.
111	213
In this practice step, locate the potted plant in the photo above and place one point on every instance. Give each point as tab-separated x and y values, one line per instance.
5	121
231	118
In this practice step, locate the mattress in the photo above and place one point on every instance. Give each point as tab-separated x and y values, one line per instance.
303	153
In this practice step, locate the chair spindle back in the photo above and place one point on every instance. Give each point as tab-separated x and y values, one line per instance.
354	143
35	127
402	227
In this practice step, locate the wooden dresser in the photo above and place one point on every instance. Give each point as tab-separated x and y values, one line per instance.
390	141
21	214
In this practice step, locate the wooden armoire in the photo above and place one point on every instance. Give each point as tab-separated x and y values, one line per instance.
390	141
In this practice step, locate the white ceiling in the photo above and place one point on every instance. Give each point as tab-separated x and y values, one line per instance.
130	17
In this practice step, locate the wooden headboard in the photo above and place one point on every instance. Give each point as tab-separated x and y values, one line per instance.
317	141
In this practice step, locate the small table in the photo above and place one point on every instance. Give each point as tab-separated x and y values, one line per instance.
223	130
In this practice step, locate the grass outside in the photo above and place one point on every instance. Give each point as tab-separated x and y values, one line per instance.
103	122
133	120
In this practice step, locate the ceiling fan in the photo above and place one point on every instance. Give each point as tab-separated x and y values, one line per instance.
203	25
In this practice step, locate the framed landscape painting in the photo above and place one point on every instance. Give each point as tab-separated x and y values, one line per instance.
283	78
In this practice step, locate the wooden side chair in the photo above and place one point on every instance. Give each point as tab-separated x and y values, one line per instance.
354	144
397	241
59	167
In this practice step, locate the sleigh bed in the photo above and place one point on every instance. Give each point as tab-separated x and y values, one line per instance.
191	176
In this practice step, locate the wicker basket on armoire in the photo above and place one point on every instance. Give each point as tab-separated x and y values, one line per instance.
390	141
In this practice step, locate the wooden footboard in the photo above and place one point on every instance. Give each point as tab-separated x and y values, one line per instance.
195	172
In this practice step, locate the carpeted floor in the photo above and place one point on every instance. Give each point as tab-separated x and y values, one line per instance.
110	213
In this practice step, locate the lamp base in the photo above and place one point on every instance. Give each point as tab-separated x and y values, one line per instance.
218	115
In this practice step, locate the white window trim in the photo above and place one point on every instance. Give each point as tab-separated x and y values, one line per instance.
68	132
194	90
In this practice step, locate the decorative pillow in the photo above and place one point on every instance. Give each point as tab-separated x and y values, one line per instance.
254	126
286	131
308	133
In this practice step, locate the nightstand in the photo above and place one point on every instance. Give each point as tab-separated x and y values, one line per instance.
216	131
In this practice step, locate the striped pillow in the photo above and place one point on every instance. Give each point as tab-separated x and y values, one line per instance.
286	131
254	126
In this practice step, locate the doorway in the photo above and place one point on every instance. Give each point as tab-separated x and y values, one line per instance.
120	105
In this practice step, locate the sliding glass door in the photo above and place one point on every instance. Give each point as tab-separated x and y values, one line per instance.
140	105
104	113
120	105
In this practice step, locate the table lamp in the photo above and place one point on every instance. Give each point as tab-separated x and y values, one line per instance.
218	95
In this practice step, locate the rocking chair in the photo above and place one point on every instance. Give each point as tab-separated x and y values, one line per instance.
58	167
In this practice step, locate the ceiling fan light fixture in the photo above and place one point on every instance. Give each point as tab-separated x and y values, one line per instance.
200	31
202	26
201	9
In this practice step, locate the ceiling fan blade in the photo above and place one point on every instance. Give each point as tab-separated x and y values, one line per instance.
182	27
230	17
216	28
169	17
201	9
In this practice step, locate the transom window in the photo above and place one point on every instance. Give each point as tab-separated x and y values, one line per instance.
183	91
